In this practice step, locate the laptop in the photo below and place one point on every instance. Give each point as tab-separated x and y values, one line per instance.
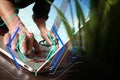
28	63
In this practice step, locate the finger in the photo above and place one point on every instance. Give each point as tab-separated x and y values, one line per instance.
46	38
23	45
57	44
6	38
30	41
52	34
36	46
14	42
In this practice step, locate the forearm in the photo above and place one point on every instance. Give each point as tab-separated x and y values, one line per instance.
41	11
41	24
6	11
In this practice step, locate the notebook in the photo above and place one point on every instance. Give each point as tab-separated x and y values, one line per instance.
27	62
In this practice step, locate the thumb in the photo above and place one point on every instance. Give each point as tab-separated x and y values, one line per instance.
36	46
6	38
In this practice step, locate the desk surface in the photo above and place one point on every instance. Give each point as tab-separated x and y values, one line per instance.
8	71
80	71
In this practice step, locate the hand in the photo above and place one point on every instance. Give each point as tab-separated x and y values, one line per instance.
44	35
44	32
26	44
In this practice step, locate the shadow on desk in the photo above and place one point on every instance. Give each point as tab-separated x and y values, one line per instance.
78	71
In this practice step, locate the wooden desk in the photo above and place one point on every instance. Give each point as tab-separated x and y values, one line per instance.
8	71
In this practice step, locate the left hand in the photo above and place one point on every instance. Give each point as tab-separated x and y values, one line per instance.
44	32
44	35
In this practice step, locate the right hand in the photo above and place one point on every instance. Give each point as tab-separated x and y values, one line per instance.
27	43
6	11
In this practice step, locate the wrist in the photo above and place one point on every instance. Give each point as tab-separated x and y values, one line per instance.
40	23
14	28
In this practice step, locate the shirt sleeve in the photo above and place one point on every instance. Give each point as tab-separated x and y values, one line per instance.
41	9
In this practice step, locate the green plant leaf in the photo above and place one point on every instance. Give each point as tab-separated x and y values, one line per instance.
81	21
64	20
71	11
112	2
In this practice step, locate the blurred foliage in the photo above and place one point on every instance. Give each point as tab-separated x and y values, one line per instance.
101	32
102	35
